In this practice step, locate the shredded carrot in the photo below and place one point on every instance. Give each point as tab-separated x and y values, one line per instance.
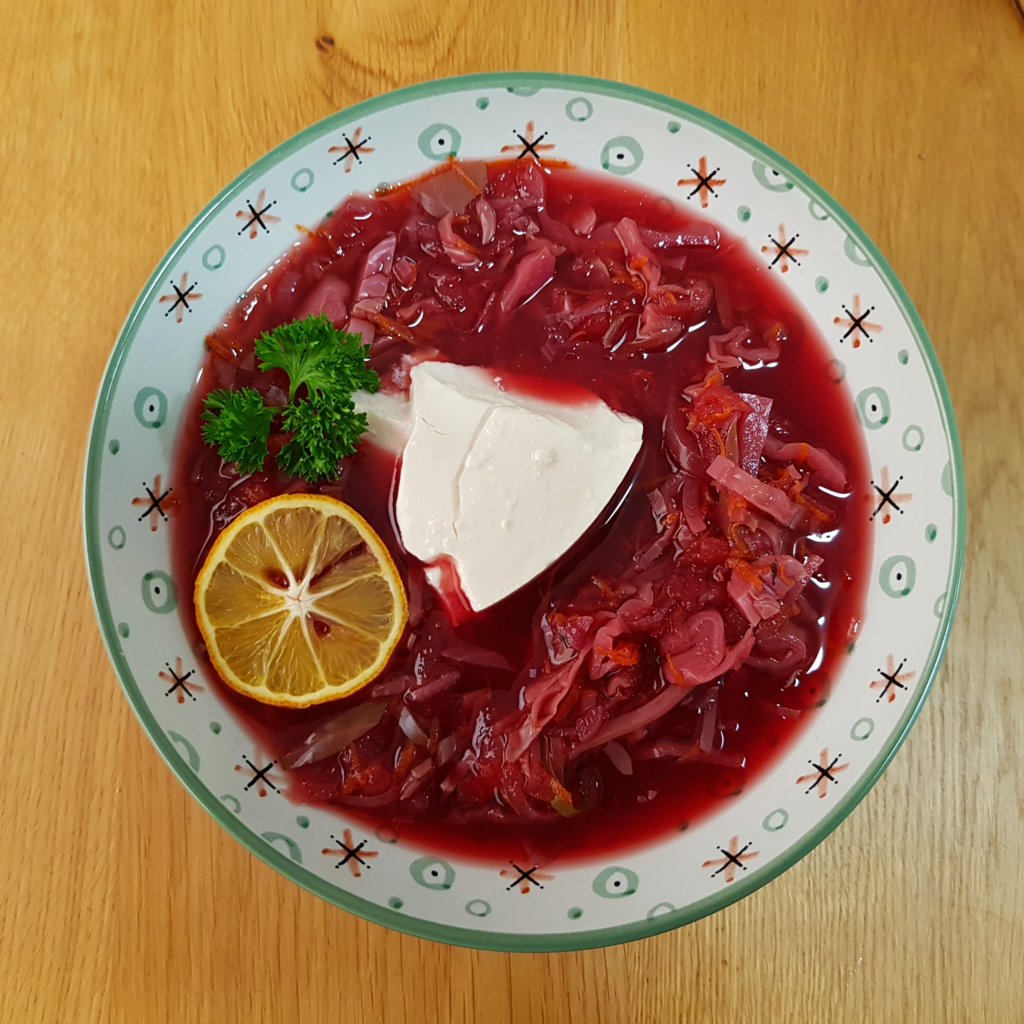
222	347
744	569
405	186
627	653
314	233
392	328
819	512
675	676
721	443
351	783
561	793
406	760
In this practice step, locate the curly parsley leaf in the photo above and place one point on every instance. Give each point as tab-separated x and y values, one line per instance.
325	367
324	431
317	356
237	424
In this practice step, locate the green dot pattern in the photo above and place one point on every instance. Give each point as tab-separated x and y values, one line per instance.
439	141
873	408
151	408
432	873
659	910
862	729
622	155
615	882
897	576
158	592
579	109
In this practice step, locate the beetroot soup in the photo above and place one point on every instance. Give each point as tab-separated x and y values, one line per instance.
658	659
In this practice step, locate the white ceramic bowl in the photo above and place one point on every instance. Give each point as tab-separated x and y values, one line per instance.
890	371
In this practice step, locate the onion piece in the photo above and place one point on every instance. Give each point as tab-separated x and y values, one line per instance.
389	796
428	691
416	777
470	654
619	757
412	728
392	685
334	734
638	718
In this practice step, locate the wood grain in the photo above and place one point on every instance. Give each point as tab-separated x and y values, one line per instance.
120	900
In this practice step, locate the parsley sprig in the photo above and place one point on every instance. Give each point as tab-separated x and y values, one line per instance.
325	367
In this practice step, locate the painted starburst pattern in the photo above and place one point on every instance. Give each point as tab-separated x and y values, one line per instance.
891	680
262	778
855	324
704	182
355	149
181	298
158	504
525	879
734	859
529	143
783	250
257	216
823	774
180	684
890	499
350	854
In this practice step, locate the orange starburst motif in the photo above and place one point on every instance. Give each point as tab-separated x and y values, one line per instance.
825	772
783	250
355	148
891	680
257	216
179	681
857	327
888	497
159	505
734	858
355	856
180	299
703	182
525	879
263	779
530	143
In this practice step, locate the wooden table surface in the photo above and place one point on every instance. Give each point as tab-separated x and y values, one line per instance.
120	900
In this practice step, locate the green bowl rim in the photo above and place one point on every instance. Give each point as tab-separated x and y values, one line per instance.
472	938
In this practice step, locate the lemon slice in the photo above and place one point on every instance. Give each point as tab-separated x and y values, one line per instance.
299	601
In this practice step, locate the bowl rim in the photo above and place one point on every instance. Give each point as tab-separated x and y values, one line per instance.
454	935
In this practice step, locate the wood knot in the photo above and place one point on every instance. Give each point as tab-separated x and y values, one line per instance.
325	43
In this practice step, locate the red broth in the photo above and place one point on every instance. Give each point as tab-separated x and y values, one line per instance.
554	344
